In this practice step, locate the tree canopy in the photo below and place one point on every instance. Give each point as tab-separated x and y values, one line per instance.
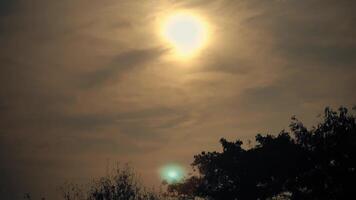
316	163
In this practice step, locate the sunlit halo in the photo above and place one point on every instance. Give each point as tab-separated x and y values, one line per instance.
186	32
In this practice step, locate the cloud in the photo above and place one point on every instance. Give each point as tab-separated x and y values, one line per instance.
323	34
7	7
121	64
85	81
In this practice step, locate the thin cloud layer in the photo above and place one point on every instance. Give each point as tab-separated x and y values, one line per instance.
84	83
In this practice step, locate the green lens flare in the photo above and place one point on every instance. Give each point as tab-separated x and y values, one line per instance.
172	173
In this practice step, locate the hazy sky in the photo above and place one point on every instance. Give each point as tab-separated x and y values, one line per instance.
84	83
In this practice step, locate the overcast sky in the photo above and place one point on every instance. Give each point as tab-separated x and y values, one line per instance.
84	83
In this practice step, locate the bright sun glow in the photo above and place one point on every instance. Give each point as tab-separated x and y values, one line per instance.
186	32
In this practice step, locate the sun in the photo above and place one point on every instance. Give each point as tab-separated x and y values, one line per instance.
185	32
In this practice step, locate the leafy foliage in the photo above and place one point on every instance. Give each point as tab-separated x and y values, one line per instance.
305	164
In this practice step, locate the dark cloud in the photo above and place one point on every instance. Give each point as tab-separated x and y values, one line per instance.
196	3
322	34
298	93
121	64
7	7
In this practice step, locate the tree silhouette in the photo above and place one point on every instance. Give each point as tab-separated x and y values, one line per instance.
305	164
122	184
